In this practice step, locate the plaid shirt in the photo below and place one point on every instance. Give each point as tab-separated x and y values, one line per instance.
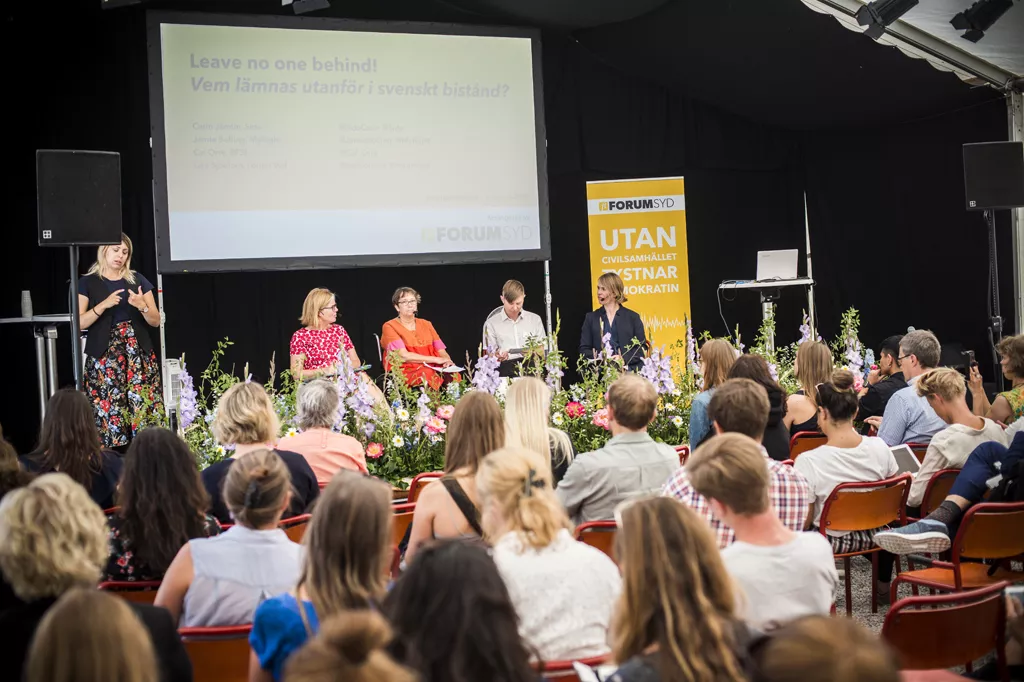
788	492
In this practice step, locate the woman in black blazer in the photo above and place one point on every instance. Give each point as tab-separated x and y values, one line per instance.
612	317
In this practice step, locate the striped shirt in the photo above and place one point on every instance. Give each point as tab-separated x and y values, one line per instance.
908	418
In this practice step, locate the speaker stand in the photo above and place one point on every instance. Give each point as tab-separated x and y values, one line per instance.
76	324
995	320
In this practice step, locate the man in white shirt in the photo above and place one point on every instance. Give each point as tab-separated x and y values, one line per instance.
783	575
908	418
945	391
511	328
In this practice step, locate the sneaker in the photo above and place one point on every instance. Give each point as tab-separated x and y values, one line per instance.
925	535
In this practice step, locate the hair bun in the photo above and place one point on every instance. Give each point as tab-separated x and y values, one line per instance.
843	380
356	634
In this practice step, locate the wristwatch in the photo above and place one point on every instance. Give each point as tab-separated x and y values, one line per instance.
144	310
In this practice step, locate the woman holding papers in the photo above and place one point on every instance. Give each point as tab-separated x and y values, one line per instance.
422	352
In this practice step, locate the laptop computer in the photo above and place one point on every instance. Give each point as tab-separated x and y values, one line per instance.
777	264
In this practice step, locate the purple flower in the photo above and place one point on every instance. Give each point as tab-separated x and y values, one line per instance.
188	410
606	345
423	402
658	370
553	373
485	372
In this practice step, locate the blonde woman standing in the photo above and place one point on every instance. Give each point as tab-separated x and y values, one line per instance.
812	367
614	318
563	591
116	306
527	406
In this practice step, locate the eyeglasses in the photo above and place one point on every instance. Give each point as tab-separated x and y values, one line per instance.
901	358
408	301
331	307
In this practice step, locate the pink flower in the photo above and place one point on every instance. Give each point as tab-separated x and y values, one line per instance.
374	450
435	426
446	411
575	410
601	418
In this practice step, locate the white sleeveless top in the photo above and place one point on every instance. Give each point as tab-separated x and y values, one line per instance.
235	571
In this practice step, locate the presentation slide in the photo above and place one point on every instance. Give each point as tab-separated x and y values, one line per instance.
284	143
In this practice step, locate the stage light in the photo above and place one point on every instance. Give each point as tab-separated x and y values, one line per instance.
979	17
306	6
880	13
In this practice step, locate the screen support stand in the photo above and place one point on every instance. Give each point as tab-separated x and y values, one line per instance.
76	323
547	294
995	320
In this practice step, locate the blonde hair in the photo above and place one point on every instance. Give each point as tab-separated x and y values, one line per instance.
676	594
613	283
633	401
52	537
348	545
813	367
101	255
316	300
513	290
516	483
256	487
91	636
245	416
718	357
476	428
732	469
944	382
350	647
527	406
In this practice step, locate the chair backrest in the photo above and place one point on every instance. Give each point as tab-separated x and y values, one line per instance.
684	453
380	350
947	630
135	591
990	530
403	519
919	450
937	490
598	534
866	505
295	527
563	671
788	462
805	440
420	481
111	510
218	654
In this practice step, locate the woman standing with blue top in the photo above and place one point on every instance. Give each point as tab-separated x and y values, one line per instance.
716	359
116	305
613	318
348	550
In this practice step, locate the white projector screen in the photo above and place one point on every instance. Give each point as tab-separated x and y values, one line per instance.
291	142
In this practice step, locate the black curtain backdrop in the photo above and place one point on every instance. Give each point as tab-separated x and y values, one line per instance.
889	232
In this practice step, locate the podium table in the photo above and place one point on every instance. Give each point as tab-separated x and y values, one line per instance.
770	291
44	328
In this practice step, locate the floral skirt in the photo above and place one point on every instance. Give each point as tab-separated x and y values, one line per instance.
123	385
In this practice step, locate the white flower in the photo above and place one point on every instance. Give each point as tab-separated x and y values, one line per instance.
402	415
398	441
676	393
292	431
677	421
221	450
557	419
669	407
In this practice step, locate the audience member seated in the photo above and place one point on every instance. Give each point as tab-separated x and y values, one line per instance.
944	390
350	648
716	359
91	636
326	451
162	505
245	421
70	443
53	538
453	618
847	457
741	406
783	575
527	411
882	382
349	547
676	617
8	455
221	580
630	463
563	590
12	477
776	435
908	418
450	507
990	461
1008	405
812	366
821	649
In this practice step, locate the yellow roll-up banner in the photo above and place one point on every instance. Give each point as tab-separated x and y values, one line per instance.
638	229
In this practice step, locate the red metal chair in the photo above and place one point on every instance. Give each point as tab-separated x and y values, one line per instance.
788	462
990	530
218	654
684	454
111	510
919	450
803	441
563	671
947	630
295	527
598	534
420	482
403	520
136	591
865	506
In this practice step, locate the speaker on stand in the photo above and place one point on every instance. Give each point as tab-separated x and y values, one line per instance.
78	196
993	180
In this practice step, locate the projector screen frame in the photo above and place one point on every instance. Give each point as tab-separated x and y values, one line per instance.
161	217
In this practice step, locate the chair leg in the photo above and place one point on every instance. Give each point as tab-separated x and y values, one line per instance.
893	589
874	582
849	588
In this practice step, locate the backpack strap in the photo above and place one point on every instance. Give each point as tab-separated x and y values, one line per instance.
463	502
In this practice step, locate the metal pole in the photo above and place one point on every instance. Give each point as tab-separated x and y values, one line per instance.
163	318
810	273
76	327
547	293
1015	114
51	357
41	371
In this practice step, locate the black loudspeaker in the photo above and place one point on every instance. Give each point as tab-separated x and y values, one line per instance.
994	175
79	197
